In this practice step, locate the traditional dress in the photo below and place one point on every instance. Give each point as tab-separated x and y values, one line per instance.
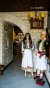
27	59
41	59
41	62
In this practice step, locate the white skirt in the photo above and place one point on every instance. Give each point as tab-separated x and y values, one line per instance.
27	60
41	63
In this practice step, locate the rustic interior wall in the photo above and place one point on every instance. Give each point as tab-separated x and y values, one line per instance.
21	20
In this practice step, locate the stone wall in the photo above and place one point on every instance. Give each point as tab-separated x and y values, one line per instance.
21	20
7	48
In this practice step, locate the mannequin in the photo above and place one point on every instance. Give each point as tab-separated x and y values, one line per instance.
41	61
27	59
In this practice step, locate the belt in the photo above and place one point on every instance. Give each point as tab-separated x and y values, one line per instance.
27	48
41	53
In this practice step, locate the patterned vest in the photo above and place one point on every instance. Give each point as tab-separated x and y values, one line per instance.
45	46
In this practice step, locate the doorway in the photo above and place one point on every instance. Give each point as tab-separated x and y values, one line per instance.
17	43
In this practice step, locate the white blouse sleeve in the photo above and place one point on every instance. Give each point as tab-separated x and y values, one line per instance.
22	47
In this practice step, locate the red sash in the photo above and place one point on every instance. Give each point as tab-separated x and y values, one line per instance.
41	53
